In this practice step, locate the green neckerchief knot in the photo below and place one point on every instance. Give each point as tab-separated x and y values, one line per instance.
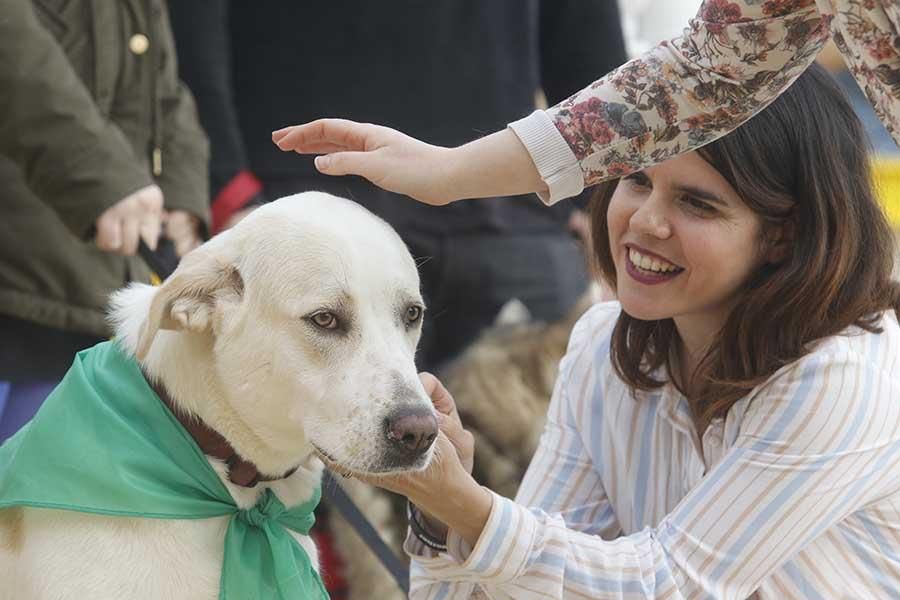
104	443
261	532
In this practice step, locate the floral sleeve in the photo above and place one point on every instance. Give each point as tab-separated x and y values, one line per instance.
867	32
732	60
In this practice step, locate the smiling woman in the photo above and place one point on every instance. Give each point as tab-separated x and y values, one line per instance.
730	425
767	228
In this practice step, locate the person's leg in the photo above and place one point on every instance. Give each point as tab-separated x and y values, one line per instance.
546	272
19	402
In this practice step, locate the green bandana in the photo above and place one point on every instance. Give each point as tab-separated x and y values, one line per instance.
104	443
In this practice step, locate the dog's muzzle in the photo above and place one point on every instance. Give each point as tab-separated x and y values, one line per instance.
410	432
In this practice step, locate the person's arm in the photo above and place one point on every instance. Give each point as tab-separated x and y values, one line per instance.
561	478
72	158
813	448
732	61
867	34
203	38
735	58
185	151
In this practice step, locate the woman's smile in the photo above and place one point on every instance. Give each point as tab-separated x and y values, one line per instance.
648	268
683	242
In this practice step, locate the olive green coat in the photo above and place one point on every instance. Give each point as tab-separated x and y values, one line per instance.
90	110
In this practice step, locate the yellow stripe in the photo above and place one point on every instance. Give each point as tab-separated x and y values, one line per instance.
887	181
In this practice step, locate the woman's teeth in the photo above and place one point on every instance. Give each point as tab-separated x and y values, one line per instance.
647	263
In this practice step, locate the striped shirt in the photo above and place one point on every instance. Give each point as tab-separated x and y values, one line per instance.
795	494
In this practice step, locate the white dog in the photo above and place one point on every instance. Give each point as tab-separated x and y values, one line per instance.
294	331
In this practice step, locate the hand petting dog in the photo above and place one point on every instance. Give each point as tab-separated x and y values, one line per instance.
445	491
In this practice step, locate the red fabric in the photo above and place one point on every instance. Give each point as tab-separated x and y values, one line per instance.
236	193
330	564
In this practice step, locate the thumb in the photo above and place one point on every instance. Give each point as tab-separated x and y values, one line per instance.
348	163
440	396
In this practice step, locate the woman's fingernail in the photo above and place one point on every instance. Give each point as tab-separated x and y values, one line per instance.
322	162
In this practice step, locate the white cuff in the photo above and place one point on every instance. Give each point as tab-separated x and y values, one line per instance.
554	159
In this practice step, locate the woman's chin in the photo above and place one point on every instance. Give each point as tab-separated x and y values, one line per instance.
644	311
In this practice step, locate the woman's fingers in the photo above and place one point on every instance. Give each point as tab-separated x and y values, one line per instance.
387	158
310	137
440	397
449	422
350	163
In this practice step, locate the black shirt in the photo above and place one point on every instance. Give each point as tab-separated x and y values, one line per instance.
444	71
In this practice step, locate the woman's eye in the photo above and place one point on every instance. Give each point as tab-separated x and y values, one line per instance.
698	205
324	320
638	179
413	314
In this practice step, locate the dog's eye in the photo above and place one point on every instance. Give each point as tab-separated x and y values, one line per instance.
324	319
413	314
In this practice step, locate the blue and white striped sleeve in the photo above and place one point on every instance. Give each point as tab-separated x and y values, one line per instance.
813	447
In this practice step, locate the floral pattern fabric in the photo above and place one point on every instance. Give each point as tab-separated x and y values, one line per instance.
732	60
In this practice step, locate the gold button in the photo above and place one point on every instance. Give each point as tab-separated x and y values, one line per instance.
138	43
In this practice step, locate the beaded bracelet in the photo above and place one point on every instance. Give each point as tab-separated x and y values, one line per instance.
420	532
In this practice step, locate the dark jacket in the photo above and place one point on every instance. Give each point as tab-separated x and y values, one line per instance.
85	104
445	71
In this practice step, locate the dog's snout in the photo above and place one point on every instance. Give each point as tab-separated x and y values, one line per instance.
413	430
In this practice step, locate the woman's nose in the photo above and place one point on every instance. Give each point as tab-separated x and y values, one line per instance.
650	219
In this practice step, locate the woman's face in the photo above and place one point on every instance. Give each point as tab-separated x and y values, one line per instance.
683	243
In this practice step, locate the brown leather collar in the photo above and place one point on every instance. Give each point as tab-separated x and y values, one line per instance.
240	472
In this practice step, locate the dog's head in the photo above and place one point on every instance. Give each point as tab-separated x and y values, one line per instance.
304	320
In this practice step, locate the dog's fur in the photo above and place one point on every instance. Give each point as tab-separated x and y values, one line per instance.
502	386
231	337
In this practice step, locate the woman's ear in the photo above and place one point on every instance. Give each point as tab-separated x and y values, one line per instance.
779	241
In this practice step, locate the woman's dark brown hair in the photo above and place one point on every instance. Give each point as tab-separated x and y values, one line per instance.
802	165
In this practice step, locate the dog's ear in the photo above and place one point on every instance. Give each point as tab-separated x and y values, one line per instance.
188	299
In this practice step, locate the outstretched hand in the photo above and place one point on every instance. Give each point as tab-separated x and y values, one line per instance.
495	165
389	159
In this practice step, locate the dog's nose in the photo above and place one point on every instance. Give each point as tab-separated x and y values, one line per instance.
412	429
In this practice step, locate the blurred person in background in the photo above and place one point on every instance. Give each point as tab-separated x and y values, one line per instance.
99	147
443	70
645	22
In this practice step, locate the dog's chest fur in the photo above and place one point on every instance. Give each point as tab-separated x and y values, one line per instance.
72	555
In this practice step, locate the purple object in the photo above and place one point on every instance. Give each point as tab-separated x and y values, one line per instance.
19	402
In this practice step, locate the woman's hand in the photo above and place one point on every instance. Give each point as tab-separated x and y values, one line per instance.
388	158
449	421
496	165
454	451
445	491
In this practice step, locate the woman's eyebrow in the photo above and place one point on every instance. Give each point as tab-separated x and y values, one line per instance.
702	194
